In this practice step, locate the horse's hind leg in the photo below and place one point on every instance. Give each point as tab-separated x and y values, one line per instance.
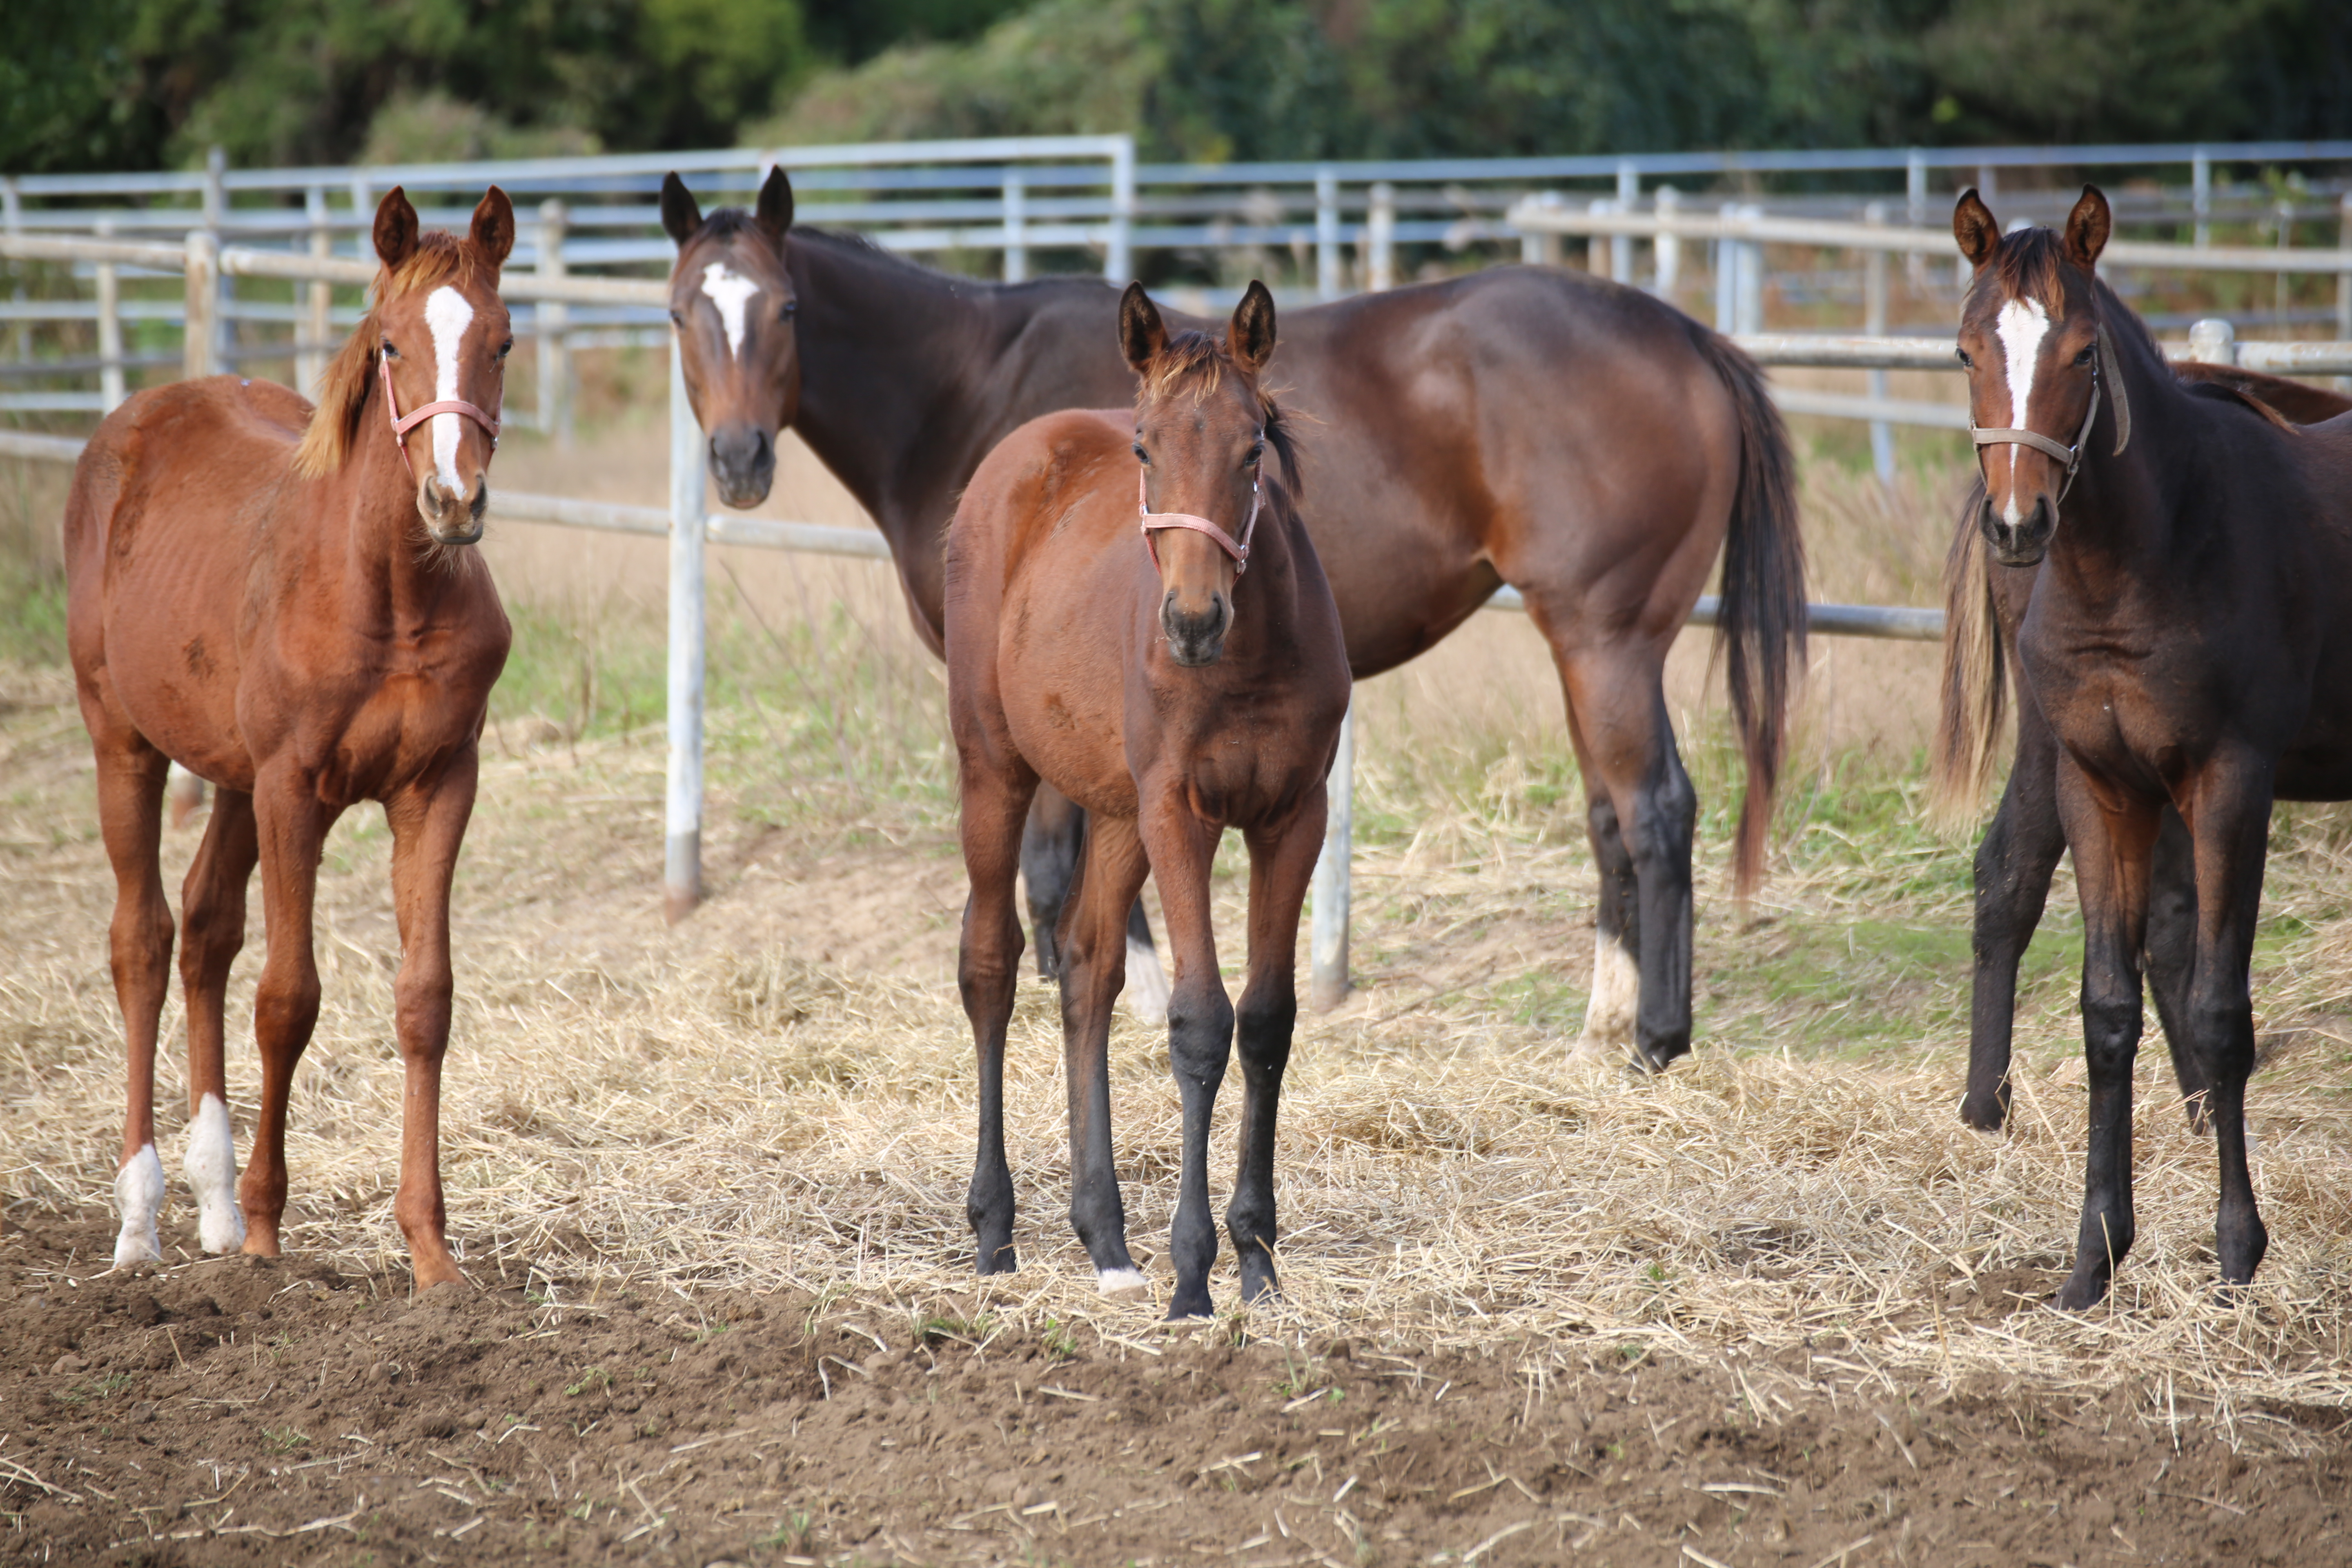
1052	841
988	969
2013	866
1282	864
139	941
1610	1016
1617	717
290	827
212	904
429	829
2172	958
1094	963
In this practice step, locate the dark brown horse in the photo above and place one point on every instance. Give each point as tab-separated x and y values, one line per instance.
1578	439
2022	845
285	602
2183	642
1173	681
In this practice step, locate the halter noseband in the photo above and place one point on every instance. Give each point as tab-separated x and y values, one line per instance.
401	426
1239	550
2103	369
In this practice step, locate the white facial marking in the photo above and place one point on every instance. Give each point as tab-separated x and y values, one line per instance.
210	1166
2021	326
446	312
1146	983
1616	1002
730	293
138	1197
1121	1282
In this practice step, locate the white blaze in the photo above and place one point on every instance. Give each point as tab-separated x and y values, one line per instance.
2021	326
210	1166
730	293
446	312
137	1196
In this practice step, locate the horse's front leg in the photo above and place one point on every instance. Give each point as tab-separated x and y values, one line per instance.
2014	862
988	972
1282	864
2113	840
1199	1028
2233	813
290	826
1094	966
428	828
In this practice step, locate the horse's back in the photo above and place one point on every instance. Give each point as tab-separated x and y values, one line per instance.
1036	487
181	456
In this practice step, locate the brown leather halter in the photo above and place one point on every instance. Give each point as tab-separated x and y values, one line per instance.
2103	370
401	426
1239	550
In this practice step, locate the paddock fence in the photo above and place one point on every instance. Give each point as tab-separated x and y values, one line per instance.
690	528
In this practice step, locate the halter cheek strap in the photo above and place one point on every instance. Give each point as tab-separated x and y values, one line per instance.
1238	549
2104	370
401	426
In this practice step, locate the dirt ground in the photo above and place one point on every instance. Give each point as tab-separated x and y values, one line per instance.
237	1410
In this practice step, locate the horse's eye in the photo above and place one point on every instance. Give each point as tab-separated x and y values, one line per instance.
389	352
675	320
1965	362
1255	452
2084	358
506	348
1140	454
791	309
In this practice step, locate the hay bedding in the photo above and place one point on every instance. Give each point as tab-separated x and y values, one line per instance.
1755	1312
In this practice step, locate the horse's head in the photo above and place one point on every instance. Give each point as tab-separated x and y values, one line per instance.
1202	429
435	345
730	298
2031	339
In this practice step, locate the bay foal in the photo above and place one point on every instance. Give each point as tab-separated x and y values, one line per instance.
1171	695
285	602
2189	641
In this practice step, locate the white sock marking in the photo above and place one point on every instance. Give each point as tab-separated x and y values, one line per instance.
448	314
1146	983
2021	326
210	1166
1125	1282
1616	1002
138	1197
730	293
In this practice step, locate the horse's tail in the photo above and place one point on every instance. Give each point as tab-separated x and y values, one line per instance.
1975	685
1760	633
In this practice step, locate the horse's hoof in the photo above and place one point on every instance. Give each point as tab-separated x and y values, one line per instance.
1122	1284
1192	1305
995	1260
1984	1119
2080	1295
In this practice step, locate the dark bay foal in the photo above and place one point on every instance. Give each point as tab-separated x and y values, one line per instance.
1173	681
2188	643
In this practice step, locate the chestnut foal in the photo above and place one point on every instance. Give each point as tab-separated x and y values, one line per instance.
1173	685
285	602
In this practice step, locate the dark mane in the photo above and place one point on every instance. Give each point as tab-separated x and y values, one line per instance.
1200	361
2031	265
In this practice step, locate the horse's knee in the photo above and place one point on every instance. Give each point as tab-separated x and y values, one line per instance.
286	1005
1200	1033
420	1005
2222	1028
1264	1027
2111	1031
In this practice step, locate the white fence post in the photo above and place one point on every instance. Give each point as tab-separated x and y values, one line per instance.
1915	212
1874	305
2212	342
215	210
2343	288
2201	194
1329	897
1326	235
1017	219
1629	200
1669	247
1751	277
1380	238
204	303
314	335
682	816
554	332
1119	264
110	330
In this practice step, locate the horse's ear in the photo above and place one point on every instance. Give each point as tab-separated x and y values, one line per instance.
395	228
494	228
1975	228
680	215
775	209
2087	228
1141	333
1250	336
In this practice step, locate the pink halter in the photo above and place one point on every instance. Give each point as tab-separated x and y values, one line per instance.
401	426
1152	519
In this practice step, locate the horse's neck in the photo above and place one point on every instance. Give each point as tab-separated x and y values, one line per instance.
908	378
2126	512
372	546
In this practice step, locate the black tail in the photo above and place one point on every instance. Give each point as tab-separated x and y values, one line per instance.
1761	633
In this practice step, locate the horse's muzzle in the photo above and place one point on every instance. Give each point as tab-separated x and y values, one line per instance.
1196	639
448	519
2028	542
744	461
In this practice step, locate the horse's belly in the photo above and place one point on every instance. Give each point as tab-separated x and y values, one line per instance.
179	687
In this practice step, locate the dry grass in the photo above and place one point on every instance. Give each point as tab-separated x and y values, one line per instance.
779	1093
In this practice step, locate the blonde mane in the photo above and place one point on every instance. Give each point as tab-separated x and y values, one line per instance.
440	258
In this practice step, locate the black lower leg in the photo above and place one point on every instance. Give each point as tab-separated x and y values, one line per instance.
1051	838
1662	867
2111	1030
1200	1041
1264	1035
2171	957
